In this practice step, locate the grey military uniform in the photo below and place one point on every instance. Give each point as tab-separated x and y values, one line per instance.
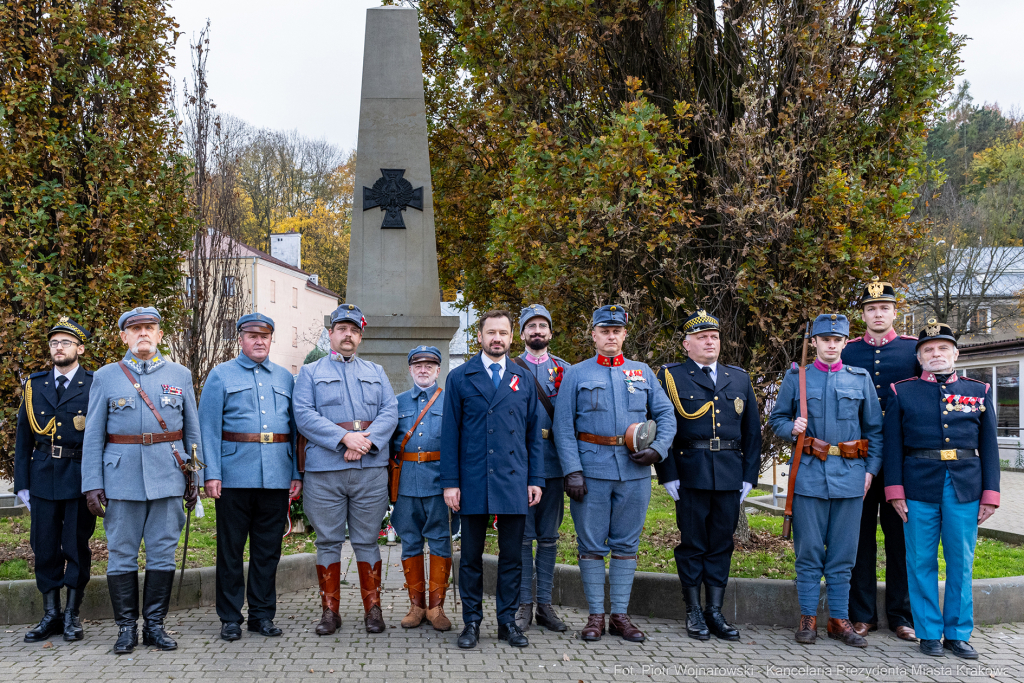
143	483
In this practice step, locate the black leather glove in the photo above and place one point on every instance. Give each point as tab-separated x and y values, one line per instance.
647	456
575	486
95	500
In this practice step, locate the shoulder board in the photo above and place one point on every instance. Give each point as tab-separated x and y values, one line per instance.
909	379
39	374
971	379
666	366
856	339
908	336
854	370
560	361
735	367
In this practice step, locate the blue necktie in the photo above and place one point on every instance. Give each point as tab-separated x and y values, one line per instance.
495	374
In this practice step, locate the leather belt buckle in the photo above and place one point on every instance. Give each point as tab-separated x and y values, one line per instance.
357	425
266	437
545	433
56	452
147	439
947	454
715	445
834	450
620	440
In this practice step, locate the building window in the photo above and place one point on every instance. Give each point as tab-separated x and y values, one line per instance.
909	326
273	291
228	331
981	321
1005	382
229	285
295	297
295	337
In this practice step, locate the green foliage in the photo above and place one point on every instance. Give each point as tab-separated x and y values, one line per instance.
315	354
93	193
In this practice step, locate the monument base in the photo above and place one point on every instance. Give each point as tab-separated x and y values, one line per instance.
387	340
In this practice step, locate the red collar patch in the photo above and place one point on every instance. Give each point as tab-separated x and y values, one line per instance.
929	377
884	340
610	362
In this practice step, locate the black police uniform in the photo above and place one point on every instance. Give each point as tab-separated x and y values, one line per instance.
48	462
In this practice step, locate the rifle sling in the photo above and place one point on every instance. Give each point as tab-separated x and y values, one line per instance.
541	394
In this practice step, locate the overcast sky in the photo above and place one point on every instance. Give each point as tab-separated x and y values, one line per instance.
298	65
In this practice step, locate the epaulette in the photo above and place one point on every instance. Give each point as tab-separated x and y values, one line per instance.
39	374
666	366
794	368
971	379
893	384
856	339
736	367
854	370
908	336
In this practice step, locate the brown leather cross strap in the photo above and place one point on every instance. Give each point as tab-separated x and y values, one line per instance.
395	464
541	395
159	418
261	437
419	418
601	440
145	439
420	456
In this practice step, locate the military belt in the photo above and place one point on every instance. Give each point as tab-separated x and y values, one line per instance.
942	454
713	445
850	450
261	437
59	452
601	440
356	425
145	439
420	456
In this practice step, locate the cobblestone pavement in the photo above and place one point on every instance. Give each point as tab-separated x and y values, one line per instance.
424	654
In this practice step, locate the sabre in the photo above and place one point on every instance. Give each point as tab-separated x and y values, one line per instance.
451	549
193	466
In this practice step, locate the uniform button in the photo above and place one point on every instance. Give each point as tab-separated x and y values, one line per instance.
947	439
945	412
421	433
489	412
878	361
260	383
511	412
945	426
492	450
261	398
264	426
877	373
878	350
490	431
264	412
58	424
716	398
878	386
719	424
59	437
492	471
718	411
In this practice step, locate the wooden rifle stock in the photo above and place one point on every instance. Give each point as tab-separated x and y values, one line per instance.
794	461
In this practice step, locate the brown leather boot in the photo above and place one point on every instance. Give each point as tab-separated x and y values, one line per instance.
330	594
862	628
369	586
807	633
440	568
413	568
620	625
842	629
594	628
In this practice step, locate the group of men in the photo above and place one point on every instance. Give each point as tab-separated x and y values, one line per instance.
507	437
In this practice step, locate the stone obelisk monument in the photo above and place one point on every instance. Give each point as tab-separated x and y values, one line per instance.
392	268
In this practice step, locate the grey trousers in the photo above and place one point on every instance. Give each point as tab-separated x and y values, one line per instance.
356	496
129	522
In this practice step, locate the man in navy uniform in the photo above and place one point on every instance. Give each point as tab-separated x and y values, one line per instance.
48	478
942	477
345	407
712	465
544	519
492	463
420	513
245	413
603	401
842	453
142	426
889	358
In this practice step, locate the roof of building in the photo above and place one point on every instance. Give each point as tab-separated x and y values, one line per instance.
992	272
242	250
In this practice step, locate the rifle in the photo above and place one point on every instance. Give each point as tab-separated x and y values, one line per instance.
794	462
192	478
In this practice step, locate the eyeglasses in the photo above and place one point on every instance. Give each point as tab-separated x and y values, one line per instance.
64	343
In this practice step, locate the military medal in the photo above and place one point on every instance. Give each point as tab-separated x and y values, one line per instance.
79	422
633	376
738	404
120	402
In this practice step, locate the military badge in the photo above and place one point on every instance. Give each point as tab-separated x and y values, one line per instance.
876	288
168	389
636	375
79	422
738	405
933	327
120	402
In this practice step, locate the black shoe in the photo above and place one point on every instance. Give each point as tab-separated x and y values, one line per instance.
695	625
265	627
510	632
470	635
713	616
229	631
124	598
72	624
960	648
547	618
931	647
52	621
156	599
524	616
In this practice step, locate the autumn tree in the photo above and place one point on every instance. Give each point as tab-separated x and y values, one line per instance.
93	188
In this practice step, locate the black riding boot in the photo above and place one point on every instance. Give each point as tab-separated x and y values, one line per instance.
72	624
156	599
124	598
51	623
713	614
695	626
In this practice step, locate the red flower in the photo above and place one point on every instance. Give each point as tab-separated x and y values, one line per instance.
559	371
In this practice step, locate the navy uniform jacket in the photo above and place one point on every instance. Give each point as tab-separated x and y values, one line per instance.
920	414
34	468
736	418
893	360
419	479
491	446
545	374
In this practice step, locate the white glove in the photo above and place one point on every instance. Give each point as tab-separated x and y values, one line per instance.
745	490
673	488
23	495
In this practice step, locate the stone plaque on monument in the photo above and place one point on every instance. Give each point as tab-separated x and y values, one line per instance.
392	269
